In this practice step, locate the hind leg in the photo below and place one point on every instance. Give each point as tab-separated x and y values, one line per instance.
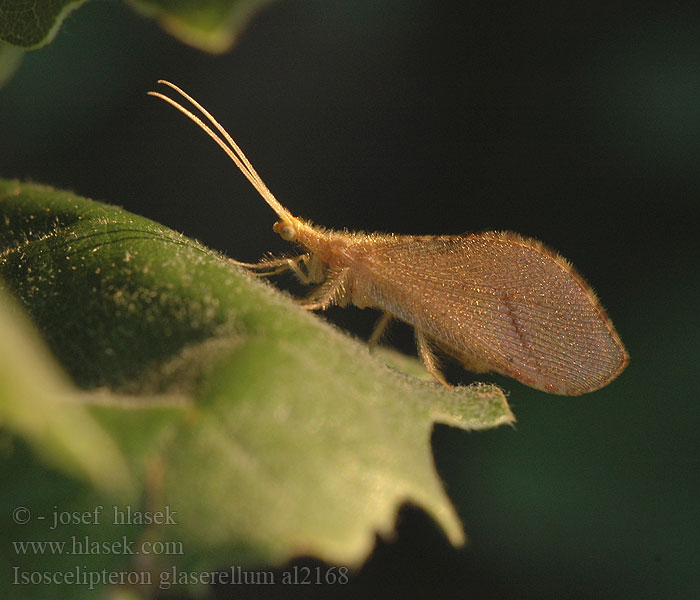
427	355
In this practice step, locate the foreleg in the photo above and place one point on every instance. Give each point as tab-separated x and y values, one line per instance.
274	266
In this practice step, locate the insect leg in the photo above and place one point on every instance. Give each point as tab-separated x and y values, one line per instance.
331	290
274	266
379	329
265	263
425	351
294	265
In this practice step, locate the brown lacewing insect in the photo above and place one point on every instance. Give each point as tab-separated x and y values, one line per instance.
493	301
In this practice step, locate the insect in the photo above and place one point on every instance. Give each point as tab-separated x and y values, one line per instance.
495	301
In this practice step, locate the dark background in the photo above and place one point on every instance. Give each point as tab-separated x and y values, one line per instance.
578	125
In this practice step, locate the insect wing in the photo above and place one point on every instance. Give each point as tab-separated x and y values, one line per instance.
498	301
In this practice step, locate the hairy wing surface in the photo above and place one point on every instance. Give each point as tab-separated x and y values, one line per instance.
502	302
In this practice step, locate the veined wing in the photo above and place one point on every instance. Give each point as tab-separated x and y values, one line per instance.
497	301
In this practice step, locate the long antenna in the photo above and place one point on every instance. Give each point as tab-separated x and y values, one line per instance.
231	148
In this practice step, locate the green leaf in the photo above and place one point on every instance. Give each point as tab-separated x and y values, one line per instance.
210	25
38	403
29	24
268	431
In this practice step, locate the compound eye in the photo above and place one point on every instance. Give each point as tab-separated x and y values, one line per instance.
285	230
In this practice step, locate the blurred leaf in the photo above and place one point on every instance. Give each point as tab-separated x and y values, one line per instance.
30	24
10	58
38	403
269	432
210	25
